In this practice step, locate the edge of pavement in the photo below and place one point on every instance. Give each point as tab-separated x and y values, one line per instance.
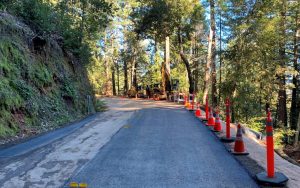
26	145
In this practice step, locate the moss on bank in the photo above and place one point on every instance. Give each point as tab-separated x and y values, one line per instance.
40	88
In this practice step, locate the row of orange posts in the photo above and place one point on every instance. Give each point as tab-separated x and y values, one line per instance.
270	177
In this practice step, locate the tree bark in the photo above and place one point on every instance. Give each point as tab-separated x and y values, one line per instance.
210	71
296	140
188	68
167	66
294	109
214	95
125	78
113	80
134	72
186	62
118	78
220	56
281	107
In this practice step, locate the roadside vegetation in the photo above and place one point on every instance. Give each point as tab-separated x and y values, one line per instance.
100	105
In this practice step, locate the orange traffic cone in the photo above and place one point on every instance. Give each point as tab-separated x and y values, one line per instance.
192	106
211	119
188	104
198	111
218	126
239	147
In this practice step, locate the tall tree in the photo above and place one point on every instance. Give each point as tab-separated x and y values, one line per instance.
159	19
281	107
210	70
294	112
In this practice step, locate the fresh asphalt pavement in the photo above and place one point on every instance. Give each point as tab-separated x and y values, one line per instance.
164	147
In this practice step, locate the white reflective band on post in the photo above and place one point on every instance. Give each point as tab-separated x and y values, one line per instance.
269	123
269	133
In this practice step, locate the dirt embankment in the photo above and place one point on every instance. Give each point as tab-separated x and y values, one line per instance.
42	85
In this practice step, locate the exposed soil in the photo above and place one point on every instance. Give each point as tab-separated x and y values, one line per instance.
293	152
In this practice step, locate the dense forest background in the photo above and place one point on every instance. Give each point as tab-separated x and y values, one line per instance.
247	50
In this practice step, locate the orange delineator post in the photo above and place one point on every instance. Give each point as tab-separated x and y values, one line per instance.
206	108
227	137
270	146
227	119
192	107
271	177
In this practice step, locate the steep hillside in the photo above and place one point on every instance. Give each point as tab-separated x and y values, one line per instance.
42	86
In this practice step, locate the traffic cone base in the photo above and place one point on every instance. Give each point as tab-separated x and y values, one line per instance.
227	140
239	153
203	118
278	180
216	131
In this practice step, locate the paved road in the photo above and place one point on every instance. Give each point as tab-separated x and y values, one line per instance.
164	147
43	140
51	159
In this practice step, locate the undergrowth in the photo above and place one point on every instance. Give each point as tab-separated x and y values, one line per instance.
30	98
100	105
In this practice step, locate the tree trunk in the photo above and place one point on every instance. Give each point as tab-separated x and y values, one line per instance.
118	78
214	95
113	80
134	72
281	107
167	66
210	71
220	56
188	68
294	109
296	140
125	78
207	69
186	62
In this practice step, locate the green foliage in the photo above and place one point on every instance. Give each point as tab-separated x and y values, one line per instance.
9	98
41	76
7	126
280	136
257	124
69	89
95	73
100	105
78	22
29	95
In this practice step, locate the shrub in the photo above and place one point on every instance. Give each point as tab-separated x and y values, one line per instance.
100	105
